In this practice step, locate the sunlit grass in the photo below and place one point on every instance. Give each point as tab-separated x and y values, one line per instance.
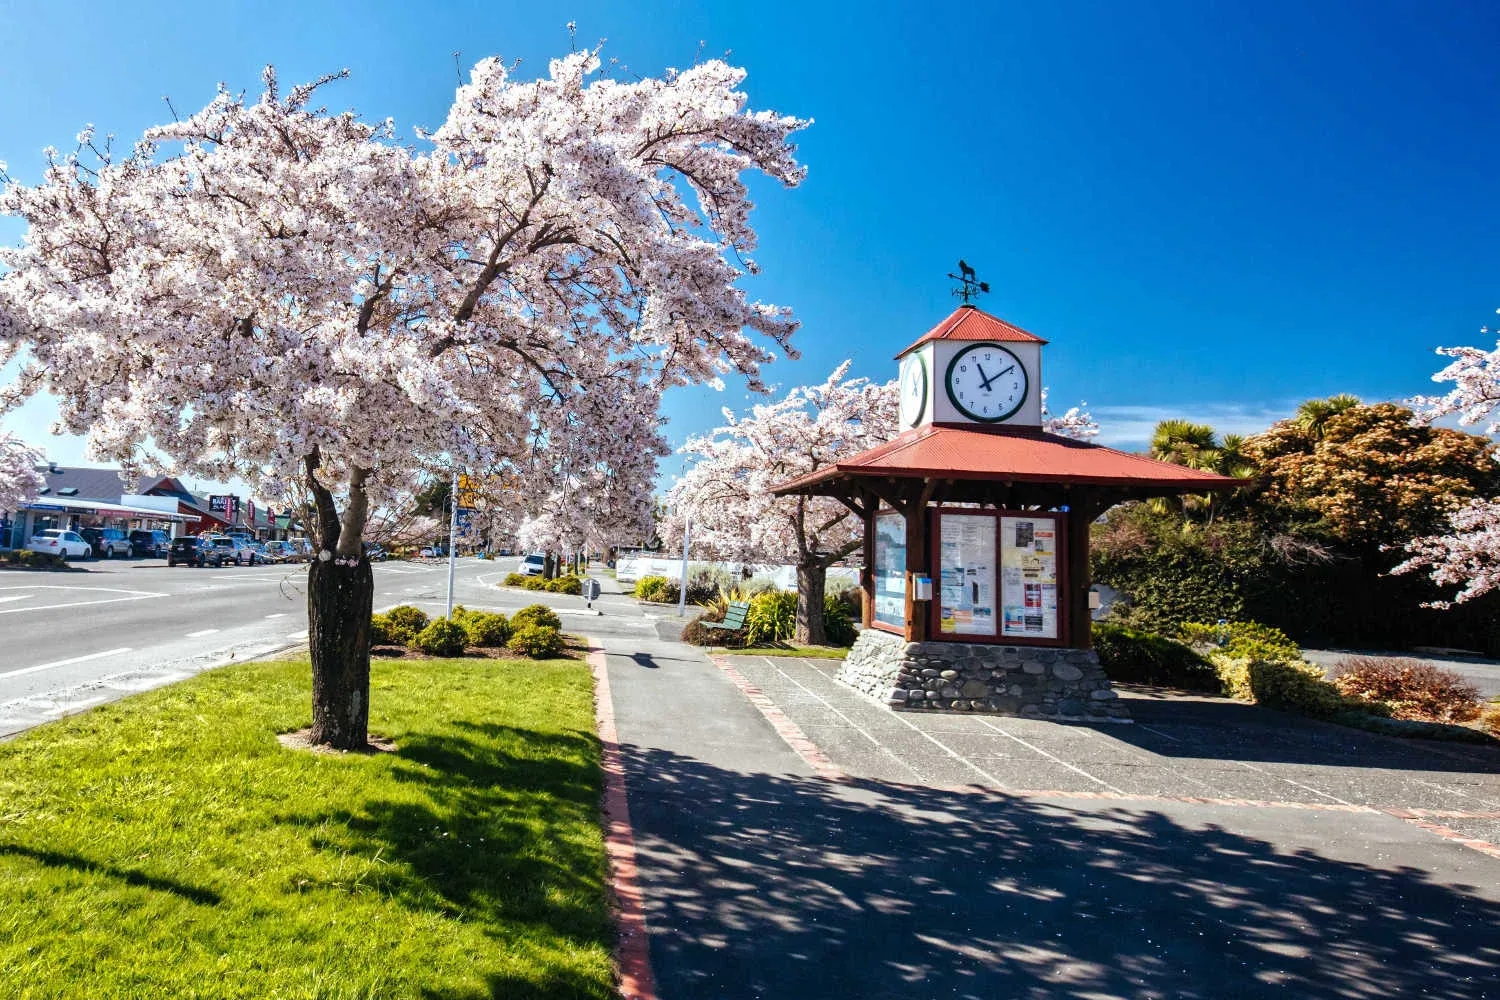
169	846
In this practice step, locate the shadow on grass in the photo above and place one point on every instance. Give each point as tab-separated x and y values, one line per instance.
57	859
503	831
770	885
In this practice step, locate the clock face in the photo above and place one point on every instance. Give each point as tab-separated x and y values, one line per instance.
913	389
986	382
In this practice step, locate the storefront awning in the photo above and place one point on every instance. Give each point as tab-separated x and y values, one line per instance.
71	505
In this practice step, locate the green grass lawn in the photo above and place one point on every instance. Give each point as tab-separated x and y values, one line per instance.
806	652
169	846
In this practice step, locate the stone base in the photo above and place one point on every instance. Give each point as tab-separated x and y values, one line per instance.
1032	681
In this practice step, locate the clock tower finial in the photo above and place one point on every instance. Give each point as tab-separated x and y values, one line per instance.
968	285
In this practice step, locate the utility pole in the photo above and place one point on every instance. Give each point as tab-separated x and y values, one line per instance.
687	527
452	533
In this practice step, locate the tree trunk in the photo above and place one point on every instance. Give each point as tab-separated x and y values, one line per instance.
339	602
812	580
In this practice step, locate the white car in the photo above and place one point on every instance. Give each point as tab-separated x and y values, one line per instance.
60	542
533	565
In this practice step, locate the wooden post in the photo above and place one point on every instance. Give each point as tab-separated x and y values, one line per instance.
1080	516
918	561
867	575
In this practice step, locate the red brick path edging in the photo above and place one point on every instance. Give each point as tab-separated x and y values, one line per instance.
809	751
632	946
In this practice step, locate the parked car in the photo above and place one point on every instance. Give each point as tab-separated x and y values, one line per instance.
190	551
229	549
374	552
149	543
107	542
60	542
533	565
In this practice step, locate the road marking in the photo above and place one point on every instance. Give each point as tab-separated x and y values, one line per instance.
1289	781
16	597
134	595
279	614
1052	757
298	635
64	663
852	724
201	633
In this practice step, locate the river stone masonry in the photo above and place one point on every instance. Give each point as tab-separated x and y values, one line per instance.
1031	681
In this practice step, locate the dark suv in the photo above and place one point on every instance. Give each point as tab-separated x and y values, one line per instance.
107	542
194	552
152	544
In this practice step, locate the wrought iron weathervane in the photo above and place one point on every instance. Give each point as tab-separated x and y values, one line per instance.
968	286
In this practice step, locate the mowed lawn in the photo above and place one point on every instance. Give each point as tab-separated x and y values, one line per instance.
169	846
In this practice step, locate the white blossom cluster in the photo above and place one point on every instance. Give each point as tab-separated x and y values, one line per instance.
272	292
19	478
1468	555
726	492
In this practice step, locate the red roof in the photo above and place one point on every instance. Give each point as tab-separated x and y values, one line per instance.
941	451
973	323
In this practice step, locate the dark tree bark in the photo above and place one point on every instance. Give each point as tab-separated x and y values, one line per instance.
812	581
339	602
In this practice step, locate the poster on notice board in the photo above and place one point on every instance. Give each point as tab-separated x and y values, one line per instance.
1028	575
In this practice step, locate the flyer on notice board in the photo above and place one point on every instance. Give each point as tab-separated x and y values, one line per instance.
1028	574
967	575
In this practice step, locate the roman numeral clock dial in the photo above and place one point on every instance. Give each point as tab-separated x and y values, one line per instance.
986	383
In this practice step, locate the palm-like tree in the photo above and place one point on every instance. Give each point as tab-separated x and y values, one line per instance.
1197	446
1313	415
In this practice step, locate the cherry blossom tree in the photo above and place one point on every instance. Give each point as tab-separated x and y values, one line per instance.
1468	553
271	291
19	478
727	490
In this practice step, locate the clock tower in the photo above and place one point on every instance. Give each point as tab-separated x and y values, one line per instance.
972	369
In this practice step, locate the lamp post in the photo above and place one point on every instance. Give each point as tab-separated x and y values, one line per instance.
452	549
687	527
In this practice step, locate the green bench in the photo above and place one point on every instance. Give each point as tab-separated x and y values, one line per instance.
734	619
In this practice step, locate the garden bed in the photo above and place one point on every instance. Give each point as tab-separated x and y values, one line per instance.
169	845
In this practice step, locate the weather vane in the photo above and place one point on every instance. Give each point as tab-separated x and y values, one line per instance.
968	286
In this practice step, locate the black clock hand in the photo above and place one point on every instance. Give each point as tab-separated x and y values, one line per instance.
997	375
981	376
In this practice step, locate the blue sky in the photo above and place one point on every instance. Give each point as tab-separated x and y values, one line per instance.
1211	209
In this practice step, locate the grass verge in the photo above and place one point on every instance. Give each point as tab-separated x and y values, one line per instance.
806	652
168	845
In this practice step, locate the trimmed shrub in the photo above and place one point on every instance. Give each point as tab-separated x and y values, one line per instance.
1292	685
536	641
25	557
1412	689
1133	656
403	623
516	580
535	614
565	585
652	588
1251	640
837	627
772	617
484	629
407	617
441	637
380	632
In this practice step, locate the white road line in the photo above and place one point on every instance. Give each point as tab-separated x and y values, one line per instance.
16	597
1052	757
298	635
1289	781
1158	732
201	633
1154	760
279	614
64	663
1488	803
133	595
852	724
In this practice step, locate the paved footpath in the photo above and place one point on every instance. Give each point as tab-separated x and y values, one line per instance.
768	868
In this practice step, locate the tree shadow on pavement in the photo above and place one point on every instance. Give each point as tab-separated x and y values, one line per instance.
762	885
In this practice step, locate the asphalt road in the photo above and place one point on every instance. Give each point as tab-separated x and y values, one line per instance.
97	632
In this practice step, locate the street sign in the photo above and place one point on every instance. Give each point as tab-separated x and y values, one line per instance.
465	520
